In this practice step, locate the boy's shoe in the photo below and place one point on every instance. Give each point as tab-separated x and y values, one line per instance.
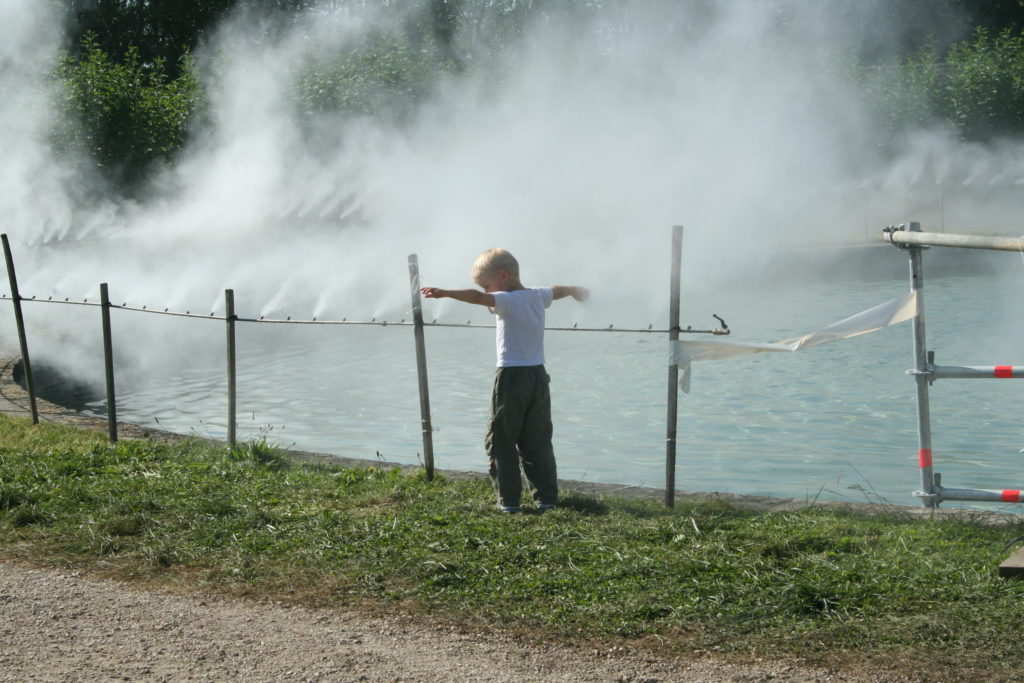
508	509
545	507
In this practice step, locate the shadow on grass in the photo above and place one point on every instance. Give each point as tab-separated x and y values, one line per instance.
585	505
642	509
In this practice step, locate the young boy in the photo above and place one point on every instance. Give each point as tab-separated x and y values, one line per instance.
519	428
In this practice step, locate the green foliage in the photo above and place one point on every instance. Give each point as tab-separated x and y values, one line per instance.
259	452
167	30
977	86
984	86
131	91
385	76
906	95
126	116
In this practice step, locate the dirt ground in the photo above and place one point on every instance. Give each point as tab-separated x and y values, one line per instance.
62	626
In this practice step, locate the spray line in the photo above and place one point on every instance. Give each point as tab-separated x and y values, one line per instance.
344	321
125	306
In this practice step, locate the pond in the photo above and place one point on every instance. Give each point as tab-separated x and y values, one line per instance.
836	422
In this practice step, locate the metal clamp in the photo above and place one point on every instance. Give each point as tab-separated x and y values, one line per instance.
931	500
889	230
929	369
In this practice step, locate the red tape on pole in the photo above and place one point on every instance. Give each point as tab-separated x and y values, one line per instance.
1011	496
1004	371
924	456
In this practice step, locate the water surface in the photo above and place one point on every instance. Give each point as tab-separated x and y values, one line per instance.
834	422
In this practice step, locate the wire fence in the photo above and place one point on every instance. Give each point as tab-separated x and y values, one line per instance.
402	322
230	319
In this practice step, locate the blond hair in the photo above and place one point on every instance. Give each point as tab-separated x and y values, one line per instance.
493	260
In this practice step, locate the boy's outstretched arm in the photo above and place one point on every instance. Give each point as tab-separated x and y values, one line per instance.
469	296
578	293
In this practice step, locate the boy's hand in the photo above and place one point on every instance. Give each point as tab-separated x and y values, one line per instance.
432	292
578	293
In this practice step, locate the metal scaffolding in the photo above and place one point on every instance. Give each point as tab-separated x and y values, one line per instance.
910	238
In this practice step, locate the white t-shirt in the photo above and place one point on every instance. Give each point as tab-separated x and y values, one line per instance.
520	326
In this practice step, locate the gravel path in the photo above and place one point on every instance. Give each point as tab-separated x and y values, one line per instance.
62	626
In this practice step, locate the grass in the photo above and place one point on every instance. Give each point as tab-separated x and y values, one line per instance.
825	585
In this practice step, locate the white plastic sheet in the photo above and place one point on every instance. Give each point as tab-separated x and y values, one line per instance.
883	315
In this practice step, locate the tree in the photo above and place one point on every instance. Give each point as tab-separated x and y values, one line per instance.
984	86
125	115
155	29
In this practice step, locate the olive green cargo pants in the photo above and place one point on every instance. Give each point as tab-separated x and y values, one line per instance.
519	431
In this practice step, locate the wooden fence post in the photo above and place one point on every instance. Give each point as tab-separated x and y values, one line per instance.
229	315
20	322
421	368
108	362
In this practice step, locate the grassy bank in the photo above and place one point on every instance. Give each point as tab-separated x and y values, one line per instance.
814	583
